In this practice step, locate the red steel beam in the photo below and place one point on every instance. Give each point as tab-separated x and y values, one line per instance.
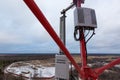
83	56
82	48
42	19
111	64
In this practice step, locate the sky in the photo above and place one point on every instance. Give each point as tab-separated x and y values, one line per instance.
20	31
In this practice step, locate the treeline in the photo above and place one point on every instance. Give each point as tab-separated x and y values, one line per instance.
25	57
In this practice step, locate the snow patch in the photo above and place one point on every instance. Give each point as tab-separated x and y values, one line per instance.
28	70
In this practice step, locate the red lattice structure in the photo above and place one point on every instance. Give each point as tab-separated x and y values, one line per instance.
85	72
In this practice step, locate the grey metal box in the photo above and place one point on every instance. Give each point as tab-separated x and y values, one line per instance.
85	17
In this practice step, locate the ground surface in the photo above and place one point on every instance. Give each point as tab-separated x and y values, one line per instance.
111	74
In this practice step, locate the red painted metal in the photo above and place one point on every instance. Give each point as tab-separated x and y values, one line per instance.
77	3
39	15
111	64
85	72
83	53
84	67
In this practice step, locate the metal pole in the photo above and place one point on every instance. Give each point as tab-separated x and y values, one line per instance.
62	35
83	53
63	26
62	31
69	7
111	64
82	47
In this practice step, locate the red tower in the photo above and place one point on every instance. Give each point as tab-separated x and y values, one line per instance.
85	72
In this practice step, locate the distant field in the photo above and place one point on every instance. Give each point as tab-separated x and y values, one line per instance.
7	59
33	56
24	57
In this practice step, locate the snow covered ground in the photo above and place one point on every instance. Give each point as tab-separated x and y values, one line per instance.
32	71
28	70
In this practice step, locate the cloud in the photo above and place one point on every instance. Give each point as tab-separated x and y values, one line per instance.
6	38
107	33
20	31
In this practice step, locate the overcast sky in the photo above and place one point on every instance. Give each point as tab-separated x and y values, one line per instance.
20	31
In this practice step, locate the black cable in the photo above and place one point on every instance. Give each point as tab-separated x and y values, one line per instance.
87	34
91	36
77	32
